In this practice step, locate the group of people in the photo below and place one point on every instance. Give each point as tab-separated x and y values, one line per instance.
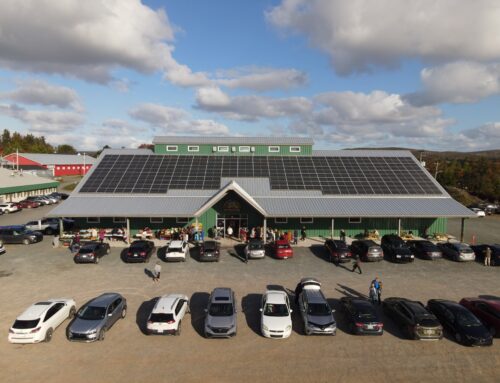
245	235
375	292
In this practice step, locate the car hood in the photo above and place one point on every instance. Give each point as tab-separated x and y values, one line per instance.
85	326
224	322
476	332
276	323
321	320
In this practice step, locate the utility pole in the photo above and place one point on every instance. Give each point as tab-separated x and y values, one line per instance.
436	173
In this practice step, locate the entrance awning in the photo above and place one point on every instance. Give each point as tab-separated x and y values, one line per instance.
231	186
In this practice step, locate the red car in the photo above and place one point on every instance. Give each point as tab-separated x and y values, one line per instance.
27	204
487	310
282	249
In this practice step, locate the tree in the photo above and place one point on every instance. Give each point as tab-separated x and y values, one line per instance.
65	149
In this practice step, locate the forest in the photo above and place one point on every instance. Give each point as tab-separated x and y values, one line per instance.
10	142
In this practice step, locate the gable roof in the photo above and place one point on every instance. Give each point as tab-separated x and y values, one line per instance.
56	159
211	140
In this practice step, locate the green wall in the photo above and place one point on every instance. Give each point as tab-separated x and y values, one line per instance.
260	150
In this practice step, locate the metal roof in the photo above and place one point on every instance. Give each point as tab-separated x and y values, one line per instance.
211	140
58	159
10	179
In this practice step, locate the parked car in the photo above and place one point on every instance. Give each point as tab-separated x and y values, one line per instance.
361	316
424	249
316	313
177	251
91	252
367	250
282	249
209	251
255	249
338	251
413	318
52	200
27	204
139	251
9	207
60	196
457	251
2	249
19	234
47	226
396	249
460	323
96	317
276	318
167	314
39	321
479	212
41	201
479	250
487	310
220	319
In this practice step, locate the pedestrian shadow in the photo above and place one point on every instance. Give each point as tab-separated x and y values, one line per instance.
320	251
149	273
142	314
238	252
250	306
197	305
349	292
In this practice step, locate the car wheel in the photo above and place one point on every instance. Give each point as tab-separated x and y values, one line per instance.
101	334
178	331
458	338
48	335
26	241
124	312
72	312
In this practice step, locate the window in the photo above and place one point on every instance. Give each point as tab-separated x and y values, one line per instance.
354	219
306	220
156	220
295	149
119	220
274	149
182	220
193	148
280	220
171	148
63	167
244	149
93	220
223	148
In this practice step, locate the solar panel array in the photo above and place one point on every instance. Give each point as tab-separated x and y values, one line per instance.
332	175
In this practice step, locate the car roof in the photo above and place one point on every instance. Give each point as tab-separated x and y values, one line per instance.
36	310
176	243
492	302
140	242
314	295
166	303
449	304
275	296
358	302
222	294
90	244
104	300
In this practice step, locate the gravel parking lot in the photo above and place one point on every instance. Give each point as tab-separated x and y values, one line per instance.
37	272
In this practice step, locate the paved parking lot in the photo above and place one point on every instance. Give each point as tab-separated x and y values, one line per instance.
37	272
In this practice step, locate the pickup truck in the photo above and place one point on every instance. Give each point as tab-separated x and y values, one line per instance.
48	226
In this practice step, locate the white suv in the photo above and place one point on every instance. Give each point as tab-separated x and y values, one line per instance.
167	315
38	322
9	207
276	319
177	251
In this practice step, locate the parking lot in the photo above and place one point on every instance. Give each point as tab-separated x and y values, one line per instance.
37	272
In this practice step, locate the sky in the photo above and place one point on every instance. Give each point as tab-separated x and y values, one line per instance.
360	73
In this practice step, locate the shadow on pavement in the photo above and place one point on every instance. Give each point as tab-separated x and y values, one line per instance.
250	305
161	253
320	252
197	305
349	292
143	312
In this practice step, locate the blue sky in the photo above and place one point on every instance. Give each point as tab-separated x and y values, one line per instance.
349	74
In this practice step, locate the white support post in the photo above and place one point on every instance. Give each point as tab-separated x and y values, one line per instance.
61	228
333	227
128	230
265	230
399	226
196	228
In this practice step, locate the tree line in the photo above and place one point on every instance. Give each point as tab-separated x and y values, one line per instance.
28	143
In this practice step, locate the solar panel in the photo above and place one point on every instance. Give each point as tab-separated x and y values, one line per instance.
156	174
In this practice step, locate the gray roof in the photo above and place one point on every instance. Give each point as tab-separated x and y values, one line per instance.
211	140
10	178
59	159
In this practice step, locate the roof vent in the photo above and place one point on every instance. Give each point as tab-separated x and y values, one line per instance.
233	149
214	148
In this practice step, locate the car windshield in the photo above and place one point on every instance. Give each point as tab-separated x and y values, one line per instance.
174	250
86	250
319	309
464	247
161	318
466	319
25	324
341	246
365	312
210	246
221	309
92	313
256	246
138	246
276	310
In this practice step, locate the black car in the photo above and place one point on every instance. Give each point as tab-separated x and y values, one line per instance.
361	316
396	249
338	251
209	251
424	249
367	250
461	323
479	250
19	234
91	252
413	318
457	251
61	196
139	251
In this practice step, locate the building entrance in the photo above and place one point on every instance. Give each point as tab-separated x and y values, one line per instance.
238	222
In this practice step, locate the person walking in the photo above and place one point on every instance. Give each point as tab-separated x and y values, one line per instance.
303	233
487	256
157	272
230	232
102	234
295	236
357	264
55	241
342	235
373	294
378	286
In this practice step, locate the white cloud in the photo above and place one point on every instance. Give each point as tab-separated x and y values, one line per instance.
363	34
459	82
250	108
39	92
261	79
168	120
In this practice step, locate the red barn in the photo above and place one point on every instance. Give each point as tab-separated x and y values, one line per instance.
57	164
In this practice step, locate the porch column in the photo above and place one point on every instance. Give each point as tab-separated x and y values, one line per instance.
265	230
196	227
333	226
399	226
61	228
128	231
462	226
